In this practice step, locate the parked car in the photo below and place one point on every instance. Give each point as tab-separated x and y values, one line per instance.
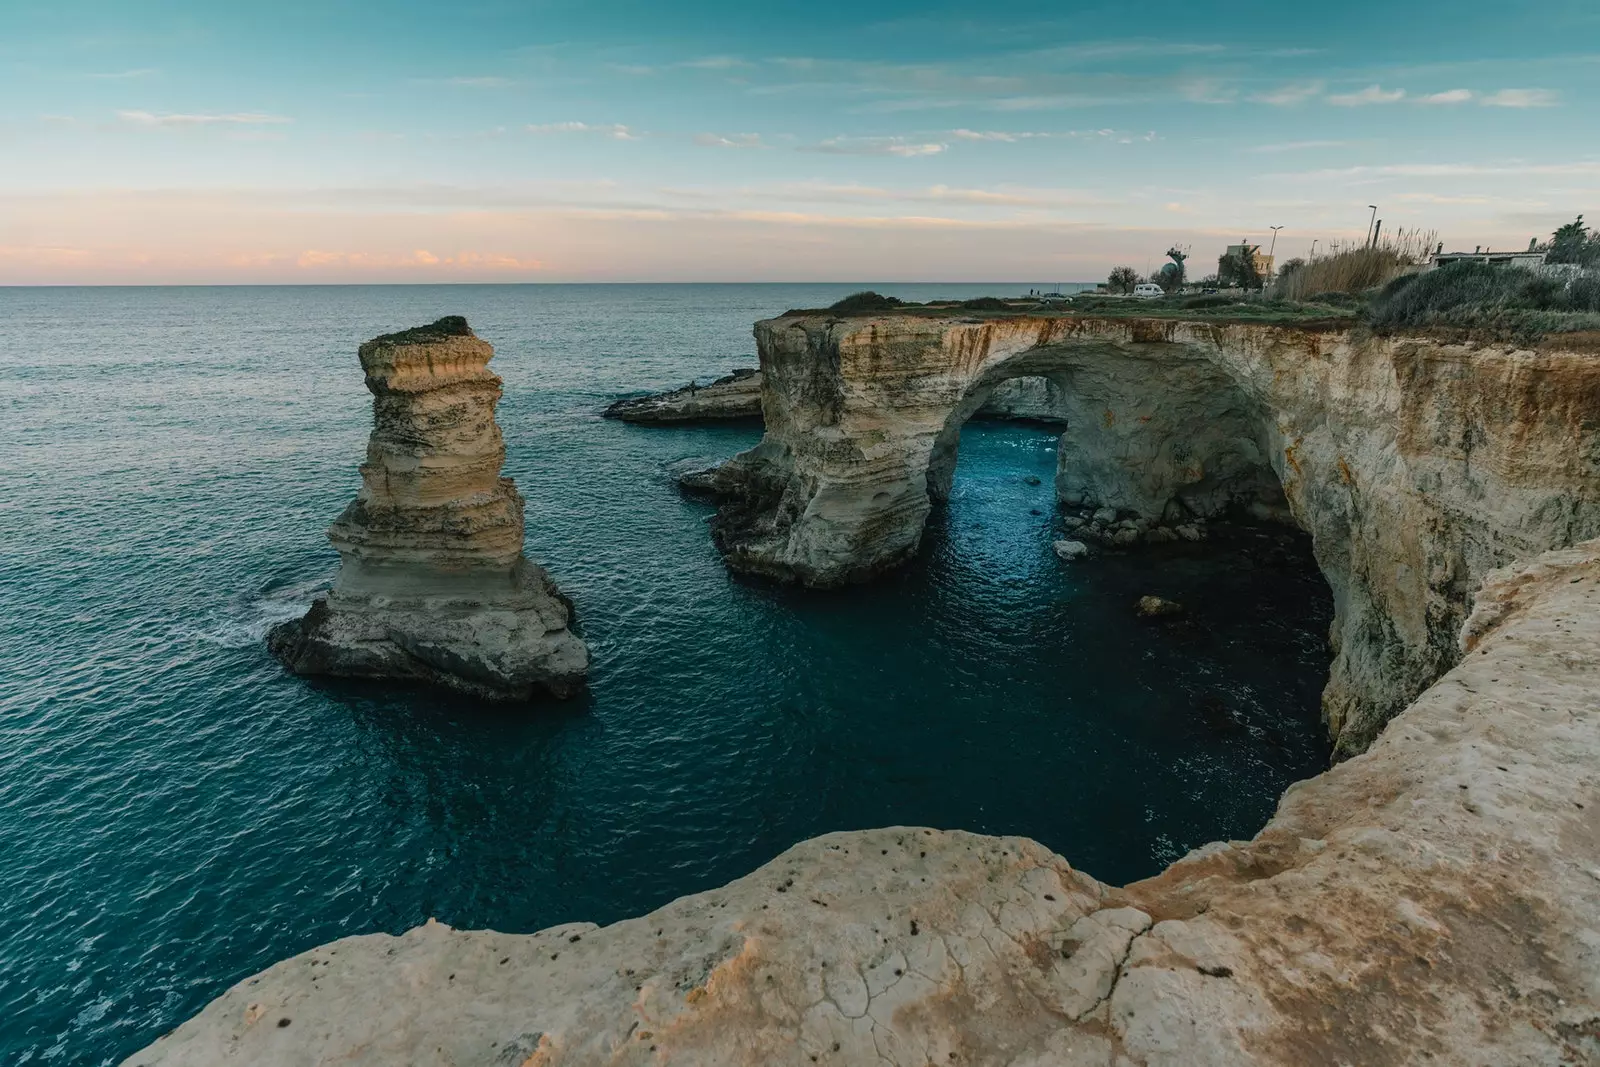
1148	290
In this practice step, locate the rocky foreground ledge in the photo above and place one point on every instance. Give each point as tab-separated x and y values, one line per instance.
433	585
1431	901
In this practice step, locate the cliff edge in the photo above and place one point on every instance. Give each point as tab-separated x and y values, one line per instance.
433	585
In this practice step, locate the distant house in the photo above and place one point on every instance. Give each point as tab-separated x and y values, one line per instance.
1263	263
1529	259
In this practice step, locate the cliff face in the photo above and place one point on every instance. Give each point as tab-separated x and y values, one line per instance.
1417	466
432	581
1431	901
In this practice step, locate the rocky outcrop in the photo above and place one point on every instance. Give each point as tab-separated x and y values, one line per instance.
1431	901
736	396
1416	465
432	583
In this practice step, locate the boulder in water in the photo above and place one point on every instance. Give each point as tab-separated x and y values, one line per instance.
1070	550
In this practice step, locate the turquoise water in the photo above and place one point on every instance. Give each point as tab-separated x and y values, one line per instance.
176	812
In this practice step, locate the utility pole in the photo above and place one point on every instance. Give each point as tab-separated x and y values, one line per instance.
1370	237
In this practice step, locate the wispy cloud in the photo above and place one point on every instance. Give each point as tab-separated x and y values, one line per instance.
1372	94
1297	146
124	75
736	140
818	192
312	259
1449	96
616	130
478	81
716	63
1129	49
875	146
151	120
1515	168
1009	136
1288	95
1208	91
1521	98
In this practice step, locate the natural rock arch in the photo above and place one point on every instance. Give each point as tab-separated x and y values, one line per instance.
1160	432
1417	466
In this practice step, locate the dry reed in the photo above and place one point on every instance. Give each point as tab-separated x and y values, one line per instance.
1354	268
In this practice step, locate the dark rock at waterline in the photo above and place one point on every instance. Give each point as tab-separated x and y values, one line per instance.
736	396
1155	607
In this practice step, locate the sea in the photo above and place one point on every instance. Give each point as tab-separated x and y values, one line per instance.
177	811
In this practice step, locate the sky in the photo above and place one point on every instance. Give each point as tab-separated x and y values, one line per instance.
174	141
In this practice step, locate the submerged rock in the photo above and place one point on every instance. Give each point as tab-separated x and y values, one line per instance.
1070	550
736	396
432	584
1155	607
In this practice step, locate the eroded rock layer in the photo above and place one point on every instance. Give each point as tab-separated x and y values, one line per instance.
1431	901
433	584
1416	465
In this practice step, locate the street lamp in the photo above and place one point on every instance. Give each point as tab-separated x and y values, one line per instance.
1274	247
1372	222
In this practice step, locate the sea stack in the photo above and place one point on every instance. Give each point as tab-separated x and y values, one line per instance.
432	584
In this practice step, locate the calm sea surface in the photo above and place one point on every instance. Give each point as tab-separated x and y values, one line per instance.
177	812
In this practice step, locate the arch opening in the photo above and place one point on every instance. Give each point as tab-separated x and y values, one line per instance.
1162	437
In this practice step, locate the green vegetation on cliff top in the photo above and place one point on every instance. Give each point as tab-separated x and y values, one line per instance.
438	330
1464	302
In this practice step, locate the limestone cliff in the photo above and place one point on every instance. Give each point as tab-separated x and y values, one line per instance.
1417	466
432	582
1431	901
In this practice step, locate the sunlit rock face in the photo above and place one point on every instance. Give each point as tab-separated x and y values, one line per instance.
1416	465
1430	901
433	584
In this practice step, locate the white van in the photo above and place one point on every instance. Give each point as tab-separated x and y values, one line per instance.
1148	290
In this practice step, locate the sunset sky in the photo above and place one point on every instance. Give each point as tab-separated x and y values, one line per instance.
547	140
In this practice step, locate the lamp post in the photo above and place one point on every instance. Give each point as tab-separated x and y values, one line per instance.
1274	247
1372	222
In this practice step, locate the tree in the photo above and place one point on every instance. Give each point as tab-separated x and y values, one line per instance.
1237	268
1169	277
1122	280
1575	243
1291	266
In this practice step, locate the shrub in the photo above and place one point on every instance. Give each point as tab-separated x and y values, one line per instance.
1213	300
866	300
986	303
1498	300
